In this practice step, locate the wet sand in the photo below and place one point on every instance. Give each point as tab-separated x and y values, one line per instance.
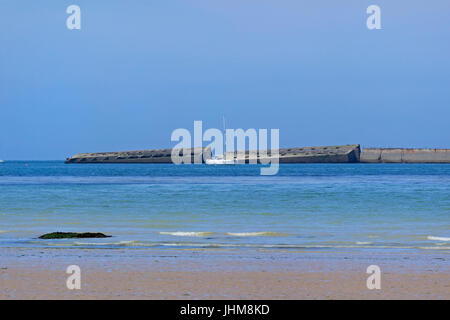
203	274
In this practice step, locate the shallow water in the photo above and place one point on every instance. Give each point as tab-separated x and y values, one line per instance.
381	207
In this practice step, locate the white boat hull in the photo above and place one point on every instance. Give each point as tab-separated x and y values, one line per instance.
220	161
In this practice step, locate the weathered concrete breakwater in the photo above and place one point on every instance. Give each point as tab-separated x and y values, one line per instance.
327	154
139	156
323	154
405	155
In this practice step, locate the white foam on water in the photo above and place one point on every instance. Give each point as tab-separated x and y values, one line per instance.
120	243
363	242
254	234
438	238
134	243
186	233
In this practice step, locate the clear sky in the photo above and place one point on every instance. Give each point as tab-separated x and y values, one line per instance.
137	70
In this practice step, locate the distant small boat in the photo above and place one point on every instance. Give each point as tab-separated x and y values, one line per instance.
219	159
1	161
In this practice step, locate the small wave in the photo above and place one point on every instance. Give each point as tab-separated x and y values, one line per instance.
363	242
434	248
254	234
187	234
120	243
203	244
438	238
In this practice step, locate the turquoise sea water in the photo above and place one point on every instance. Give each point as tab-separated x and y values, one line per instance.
306	206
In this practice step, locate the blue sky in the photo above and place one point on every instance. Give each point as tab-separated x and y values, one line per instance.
137	70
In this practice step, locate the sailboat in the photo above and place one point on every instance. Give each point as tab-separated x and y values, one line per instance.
221	159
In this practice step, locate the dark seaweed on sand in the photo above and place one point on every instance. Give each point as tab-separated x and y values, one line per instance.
69	235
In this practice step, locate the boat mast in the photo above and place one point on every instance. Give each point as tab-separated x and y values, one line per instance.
225	136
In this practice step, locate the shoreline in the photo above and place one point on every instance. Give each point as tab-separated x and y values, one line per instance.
220	274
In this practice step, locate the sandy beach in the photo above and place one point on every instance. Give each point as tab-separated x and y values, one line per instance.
166	274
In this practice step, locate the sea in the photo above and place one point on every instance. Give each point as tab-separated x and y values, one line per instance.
362	207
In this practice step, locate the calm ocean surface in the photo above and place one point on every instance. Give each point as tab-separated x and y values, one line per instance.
306	206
